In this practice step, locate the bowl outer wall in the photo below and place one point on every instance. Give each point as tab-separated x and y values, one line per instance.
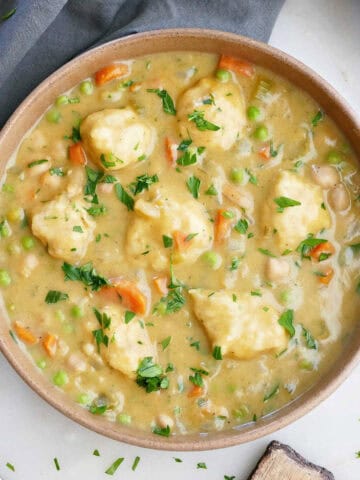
210	41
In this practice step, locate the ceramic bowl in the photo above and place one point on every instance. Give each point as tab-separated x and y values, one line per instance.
144	44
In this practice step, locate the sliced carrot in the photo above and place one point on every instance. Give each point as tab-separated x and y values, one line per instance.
222	226
109	294
132	297
50	344
24	334
196	391
326	248
235	65
326	276
264	152
170	151
161	284
110	72
180	240
77	154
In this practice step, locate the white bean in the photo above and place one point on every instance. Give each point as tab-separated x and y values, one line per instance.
164	420
325	175
339	198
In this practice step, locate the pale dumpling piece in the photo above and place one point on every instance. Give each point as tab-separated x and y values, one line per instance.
176	218
129	342
244	326
221	104
294	224
114	138
64	226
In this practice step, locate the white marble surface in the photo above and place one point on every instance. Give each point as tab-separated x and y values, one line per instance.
325	35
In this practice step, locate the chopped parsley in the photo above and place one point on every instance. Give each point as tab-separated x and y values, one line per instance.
37	162
56	463
285	202
96	210
252	177
167	241
75	133
57	171
129	316
187	159
307	245
242	226
167	101
177	460
189	237
96	453
6	16
100	336
164	432
110	160
124	197
309	339
197	378
150	376
317	118
197	117
165	343
201	465
286	321
193	184
264	251
135	463
143	182
86	274
93	178
114	466
211	190
217	353
78	229
184	145
273	152
54	296
235	262
174	300
273	392
10	466
196	345
97	409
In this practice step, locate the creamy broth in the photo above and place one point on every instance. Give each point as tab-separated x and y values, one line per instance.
220	211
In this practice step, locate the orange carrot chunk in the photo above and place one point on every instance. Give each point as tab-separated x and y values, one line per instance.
235	65
77	154
222	226
170	151
322	251
161	284
132	297
110	72
24	334
50	344
196	391
180	240
264	152
326	276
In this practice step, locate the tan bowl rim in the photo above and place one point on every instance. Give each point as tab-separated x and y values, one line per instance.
207	41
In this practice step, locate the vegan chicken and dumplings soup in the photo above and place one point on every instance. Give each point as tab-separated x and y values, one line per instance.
181	243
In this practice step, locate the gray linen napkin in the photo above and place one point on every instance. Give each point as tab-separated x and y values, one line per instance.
44	34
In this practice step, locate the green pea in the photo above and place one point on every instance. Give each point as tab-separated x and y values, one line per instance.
86	87
261	133
60	315
334	157
53	116
5	229
60	378
15	215
41	363
62	100
84	399
27	243
123	418
77	311
239	176
8	188
253	113
212	259
306	365
5	278
222	75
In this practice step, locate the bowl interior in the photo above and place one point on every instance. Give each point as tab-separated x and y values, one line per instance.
147	43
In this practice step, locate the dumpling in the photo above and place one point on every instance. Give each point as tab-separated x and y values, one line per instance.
114	138
185	221
129	342
64	226
219	103
242	325
293	224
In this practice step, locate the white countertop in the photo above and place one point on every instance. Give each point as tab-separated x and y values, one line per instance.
325	35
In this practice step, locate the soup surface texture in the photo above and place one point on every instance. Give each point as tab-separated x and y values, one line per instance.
180	243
